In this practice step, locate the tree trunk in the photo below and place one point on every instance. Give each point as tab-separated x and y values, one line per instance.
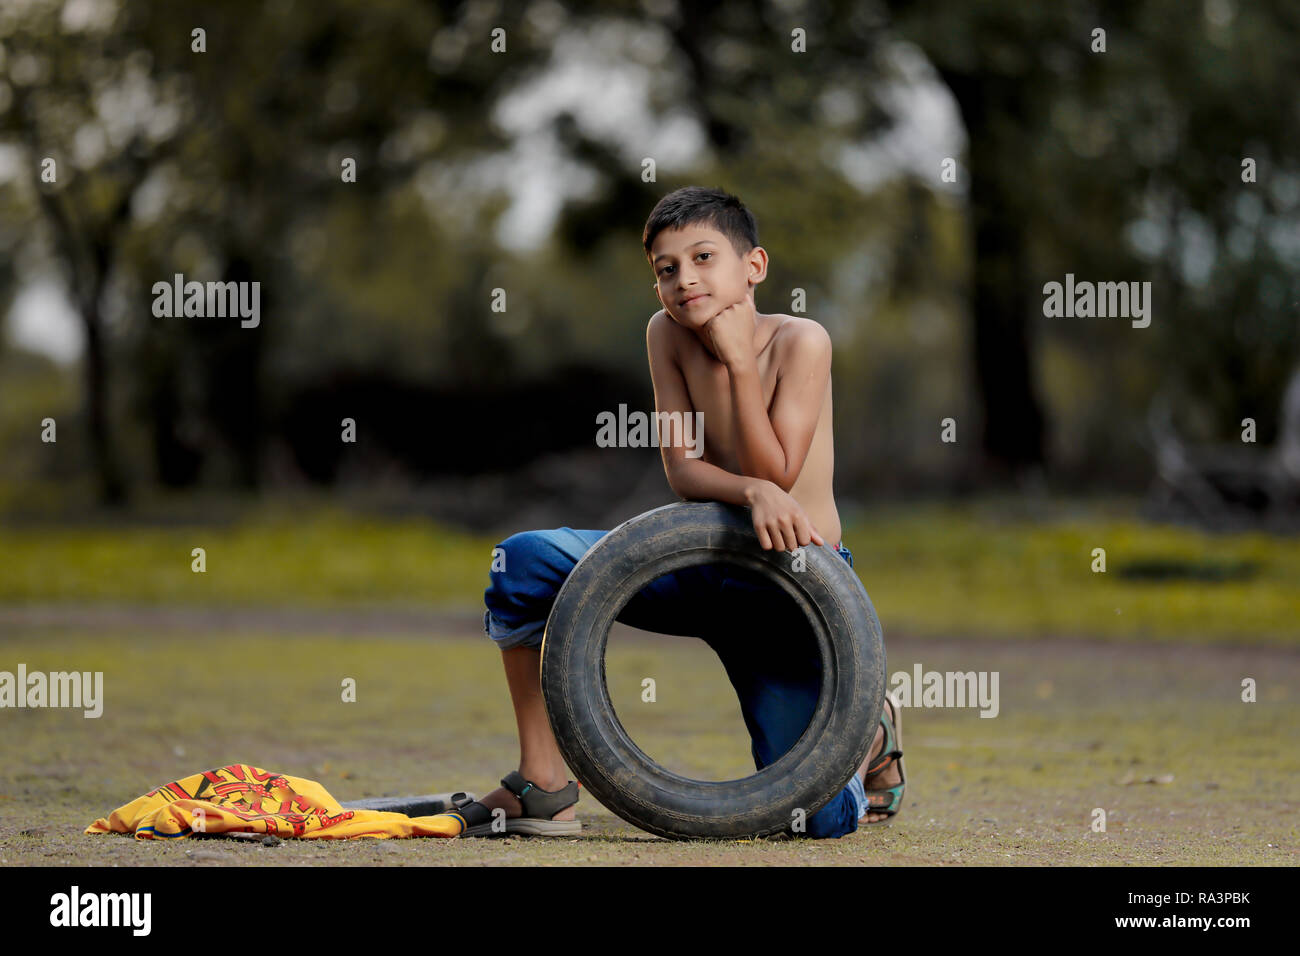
112	487
1013	434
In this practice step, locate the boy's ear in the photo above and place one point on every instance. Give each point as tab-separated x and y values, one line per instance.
757	259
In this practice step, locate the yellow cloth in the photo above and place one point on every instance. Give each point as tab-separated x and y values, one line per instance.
245	799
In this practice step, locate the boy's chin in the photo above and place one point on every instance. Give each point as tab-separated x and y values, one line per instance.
687	322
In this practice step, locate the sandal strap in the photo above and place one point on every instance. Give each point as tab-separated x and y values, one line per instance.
889	750
876	799
883	760
887	722
539	803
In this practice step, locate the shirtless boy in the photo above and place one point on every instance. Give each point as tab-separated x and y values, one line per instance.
763	385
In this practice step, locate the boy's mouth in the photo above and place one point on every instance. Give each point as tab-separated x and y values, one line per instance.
694	298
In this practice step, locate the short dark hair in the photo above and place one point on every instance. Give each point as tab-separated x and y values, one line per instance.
692	205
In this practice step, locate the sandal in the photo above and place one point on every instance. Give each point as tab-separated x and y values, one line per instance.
539	806
887	800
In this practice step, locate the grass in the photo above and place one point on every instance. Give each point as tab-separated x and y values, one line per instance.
961	570
326	556
1175	624
1080	727
930	570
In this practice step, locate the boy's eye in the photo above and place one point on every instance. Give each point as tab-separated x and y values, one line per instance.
664	270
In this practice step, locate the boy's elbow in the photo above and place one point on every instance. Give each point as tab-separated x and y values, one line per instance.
682	479
781	478
783	482
673	472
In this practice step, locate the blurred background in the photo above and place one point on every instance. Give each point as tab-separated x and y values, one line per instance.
1166	151
523	170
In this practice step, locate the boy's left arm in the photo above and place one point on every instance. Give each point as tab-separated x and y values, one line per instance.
773	448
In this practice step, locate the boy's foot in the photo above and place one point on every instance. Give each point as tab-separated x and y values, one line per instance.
501	797
526	808
890	774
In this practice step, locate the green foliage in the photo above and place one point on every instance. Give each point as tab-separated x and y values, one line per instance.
930	570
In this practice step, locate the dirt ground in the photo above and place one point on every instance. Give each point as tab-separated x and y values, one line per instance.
1157	737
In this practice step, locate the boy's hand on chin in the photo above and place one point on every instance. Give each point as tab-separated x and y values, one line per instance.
731	332
779	521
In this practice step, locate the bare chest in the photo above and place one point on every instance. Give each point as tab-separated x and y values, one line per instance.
709	385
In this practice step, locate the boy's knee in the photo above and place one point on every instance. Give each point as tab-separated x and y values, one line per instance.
836	819
549	555
515	552
515	562
523	577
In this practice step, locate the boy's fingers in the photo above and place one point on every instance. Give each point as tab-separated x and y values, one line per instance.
763	540
804	530
778	538
778	542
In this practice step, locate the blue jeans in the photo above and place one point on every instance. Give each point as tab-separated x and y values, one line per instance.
747	621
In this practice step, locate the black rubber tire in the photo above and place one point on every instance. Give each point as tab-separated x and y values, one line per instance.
617	772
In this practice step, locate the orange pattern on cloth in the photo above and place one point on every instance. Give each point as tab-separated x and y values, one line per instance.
245	799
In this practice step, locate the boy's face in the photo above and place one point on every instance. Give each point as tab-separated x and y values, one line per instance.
698	273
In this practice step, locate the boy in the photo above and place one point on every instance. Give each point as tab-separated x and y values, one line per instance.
762	383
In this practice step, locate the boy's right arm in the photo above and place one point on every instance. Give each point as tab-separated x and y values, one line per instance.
779	521
691	478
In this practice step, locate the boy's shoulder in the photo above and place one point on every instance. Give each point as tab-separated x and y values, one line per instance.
660	322
802	333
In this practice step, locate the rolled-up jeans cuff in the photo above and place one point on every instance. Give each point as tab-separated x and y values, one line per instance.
859	792
526	635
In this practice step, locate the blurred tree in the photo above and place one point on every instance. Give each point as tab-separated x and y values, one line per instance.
1118	160
226	164
209	162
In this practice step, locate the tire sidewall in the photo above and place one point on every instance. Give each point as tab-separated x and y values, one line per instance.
601	753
